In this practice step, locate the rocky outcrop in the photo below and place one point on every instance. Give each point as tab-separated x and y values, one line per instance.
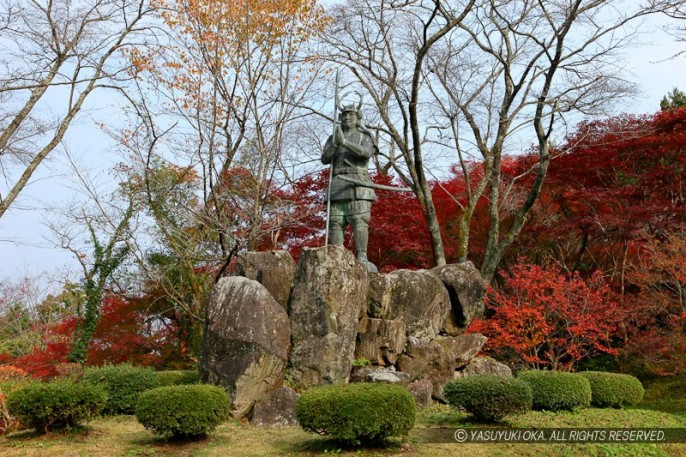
329	295
245	343
419	299
276	409
380	341
275	270
427	359
484	365
466	288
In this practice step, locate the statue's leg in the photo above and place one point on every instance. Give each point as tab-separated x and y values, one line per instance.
336	222
361	233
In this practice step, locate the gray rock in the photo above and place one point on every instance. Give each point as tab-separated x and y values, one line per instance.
484	365
329	293
421	391
466	288
420	300
380	341
380	374
463	347
277	408
427	359
245	343
273	269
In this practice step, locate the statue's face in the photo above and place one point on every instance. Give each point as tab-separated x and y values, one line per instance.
348	119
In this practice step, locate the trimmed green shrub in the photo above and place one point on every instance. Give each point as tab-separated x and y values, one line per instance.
489	398
556	391
183	411
613	390
178	377
62	403
123	383
357	413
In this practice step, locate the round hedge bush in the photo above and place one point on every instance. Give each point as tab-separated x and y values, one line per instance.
183	411
489	398
178	377
123	383
613	390
357	413
556	391
59	404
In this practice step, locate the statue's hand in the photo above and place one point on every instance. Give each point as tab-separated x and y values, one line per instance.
339	138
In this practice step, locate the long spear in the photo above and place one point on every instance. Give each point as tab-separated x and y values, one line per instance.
328	189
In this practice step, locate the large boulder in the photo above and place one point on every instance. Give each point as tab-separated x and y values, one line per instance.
419	299
466	288
380	341
329	294
273	269
427	359
277	408
484	365
463	347
245	344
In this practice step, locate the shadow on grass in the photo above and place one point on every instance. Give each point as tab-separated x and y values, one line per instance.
326	446
439	415
80	433
166	441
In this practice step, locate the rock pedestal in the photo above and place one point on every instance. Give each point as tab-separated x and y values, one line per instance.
245	344
329	294
321	315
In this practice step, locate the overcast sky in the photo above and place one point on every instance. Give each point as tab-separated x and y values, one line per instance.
25	248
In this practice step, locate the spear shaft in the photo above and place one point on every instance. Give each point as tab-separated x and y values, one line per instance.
328	189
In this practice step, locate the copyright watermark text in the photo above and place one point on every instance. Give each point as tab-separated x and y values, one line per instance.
555	435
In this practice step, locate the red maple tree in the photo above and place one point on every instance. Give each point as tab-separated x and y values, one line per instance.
543	318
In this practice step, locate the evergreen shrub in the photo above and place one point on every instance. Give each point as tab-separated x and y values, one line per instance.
557	391
489	398
183	411
59	404
613	390
123	383
357	413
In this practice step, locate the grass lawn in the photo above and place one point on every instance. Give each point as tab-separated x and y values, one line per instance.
665	406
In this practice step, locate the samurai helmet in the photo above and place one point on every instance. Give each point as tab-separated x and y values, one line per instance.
356	108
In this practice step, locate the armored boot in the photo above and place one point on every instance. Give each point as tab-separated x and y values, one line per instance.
362	258
361	235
